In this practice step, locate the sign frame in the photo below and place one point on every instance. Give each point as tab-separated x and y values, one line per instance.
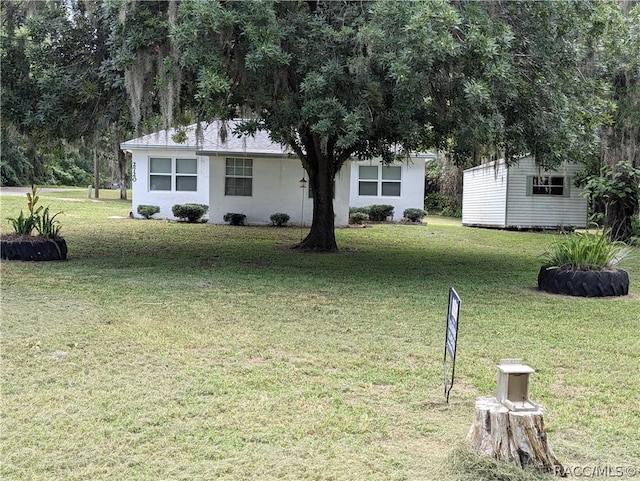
451	338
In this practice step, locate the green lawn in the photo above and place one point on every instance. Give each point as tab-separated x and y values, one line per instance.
167	351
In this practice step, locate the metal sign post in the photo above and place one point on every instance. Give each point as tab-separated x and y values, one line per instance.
451	339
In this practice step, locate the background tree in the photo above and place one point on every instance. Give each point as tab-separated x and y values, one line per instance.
613	179
59	94
521	85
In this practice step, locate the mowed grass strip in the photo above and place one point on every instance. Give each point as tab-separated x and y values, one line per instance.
163	350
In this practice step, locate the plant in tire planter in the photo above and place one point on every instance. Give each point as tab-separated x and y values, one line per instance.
23	245
358	218
583	264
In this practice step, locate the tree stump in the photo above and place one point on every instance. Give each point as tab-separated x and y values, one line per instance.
517	436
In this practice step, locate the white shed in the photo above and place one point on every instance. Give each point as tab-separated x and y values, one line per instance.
523	196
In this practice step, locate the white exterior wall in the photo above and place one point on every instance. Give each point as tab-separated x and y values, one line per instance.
411	190
275	189
165	199
544	211
484	195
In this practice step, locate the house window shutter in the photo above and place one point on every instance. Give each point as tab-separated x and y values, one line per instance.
566	191
529	185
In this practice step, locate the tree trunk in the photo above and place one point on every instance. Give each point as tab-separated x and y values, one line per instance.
96	174
619	223
322	236
122	174
517	436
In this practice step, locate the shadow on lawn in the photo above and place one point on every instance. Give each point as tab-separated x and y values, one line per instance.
376	267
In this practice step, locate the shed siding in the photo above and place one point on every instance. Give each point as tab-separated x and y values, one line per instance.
544	211
484	196
411	189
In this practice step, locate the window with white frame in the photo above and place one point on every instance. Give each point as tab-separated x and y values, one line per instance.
384	180
173	174
238	179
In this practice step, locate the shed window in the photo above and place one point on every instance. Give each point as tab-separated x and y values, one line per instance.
547	185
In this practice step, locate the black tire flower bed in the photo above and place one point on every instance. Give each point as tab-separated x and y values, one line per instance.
32	248
604	283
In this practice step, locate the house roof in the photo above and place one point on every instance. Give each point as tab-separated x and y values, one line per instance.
211	142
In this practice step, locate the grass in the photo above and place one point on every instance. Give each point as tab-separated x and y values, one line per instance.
162	350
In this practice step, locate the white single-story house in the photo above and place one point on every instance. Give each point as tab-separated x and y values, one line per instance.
256	177
522	196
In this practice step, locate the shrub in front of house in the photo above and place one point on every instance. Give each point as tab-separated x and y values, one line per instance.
189	212
414	215
279	219
147	211
380	212
234	218
365	210
358	218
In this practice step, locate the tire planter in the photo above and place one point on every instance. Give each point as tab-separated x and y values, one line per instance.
607	283
26	248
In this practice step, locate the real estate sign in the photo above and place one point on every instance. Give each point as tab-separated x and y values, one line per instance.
451	339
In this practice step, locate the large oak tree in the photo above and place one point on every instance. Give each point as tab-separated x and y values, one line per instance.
336	80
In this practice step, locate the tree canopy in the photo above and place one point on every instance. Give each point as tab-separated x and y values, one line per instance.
60	93
336	80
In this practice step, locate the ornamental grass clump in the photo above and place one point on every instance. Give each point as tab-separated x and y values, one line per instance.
585	252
